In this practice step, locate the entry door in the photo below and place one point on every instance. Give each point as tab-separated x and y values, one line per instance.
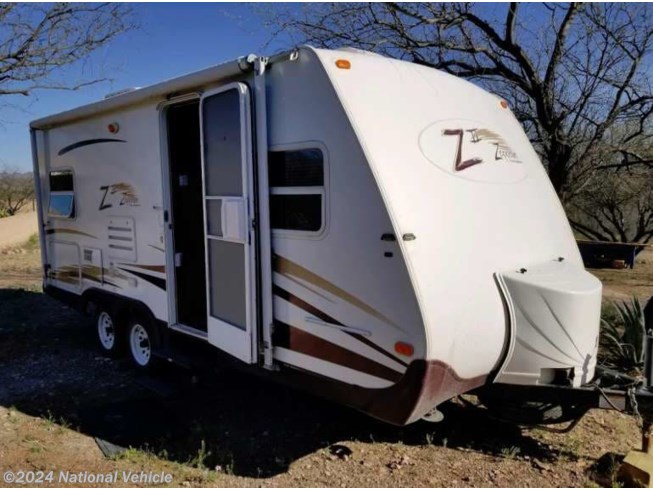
228	194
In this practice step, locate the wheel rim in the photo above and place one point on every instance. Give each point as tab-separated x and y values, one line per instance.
105	330
139	342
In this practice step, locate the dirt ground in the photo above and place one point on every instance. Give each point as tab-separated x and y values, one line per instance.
625	283
17	229
60	400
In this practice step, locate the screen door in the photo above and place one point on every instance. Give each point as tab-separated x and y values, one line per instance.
227	190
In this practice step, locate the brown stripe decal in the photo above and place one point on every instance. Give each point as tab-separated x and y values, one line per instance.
68	231
287	267
93	278
154	268
300	303
70	274
69	277
312	290
306	343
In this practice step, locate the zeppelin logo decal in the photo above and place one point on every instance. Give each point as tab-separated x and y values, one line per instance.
471	150
120	194
83	143
485	136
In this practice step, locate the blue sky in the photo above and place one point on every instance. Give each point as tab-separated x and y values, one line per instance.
173	39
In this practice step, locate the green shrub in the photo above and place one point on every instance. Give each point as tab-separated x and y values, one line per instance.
623	337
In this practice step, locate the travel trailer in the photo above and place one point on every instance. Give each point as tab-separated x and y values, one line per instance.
378	232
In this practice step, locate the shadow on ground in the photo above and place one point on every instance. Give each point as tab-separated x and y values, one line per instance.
49	367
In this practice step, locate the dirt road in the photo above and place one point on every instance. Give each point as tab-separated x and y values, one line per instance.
17	229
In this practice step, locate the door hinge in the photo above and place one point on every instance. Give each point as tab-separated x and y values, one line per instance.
178	259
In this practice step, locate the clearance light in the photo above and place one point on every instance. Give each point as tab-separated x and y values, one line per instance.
404	349
504	104
113	128
343	64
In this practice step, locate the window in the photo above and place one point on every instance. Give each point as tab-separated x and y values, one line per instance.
297	190
62	195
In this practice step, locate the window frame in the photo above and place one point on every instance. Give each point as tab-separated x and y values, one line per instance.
322	190
75	208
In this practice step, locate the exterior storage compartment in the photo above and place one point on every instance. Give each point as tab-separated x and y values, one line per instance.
554	312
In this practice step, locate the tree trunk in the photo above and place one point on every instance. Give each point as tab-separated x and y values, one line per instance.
557	157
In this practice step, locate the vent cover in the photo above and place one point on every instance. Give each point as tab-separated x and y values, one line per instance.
121	238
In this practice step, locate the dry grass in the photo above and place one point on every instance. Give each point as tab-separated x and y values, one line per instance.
20	265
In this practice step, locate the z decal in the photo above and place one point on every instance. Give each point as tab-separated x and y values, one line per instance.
120	194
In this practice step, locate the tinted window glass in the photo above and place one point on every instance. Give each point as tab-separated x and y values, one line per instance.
62	206
296	212
222	145
296	168
61	180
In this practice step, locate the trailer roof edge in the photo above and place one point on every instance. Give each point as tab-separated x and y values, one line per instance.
183	82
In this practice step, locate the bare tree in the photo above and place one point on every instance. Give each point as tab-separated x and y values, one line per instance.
571	72
616	204
16	190
618	209
38	39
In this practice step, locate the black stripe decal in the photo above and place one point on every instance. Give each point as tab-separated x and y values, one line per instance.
70	231
157	281
300	303
82	143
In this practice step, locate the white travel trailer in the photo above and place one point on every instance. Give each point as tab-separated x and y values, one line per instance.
376	231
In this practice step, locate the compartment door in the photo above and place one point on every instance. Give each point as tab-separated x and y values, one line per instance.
228	194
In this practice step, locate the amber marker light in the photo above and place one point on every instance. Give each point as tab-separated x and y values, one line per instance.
504	104
343	64
404	349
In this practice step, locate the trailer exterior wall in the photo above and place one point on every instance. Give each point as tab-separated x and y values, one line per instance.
116	182
337	287
457	172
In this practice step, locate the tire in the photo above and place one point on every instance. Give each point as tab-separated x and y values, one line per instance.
142	342
108	332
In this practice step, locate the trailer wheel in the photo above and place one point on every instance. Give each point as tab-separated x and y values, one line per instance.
108	332
141	342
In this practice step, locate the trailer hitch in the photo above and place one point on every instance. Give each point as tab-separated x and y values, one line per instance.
609	390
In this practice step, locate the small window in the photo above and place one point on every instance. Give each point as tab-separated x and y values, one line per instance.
296	212
297	190
298	168
62	195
